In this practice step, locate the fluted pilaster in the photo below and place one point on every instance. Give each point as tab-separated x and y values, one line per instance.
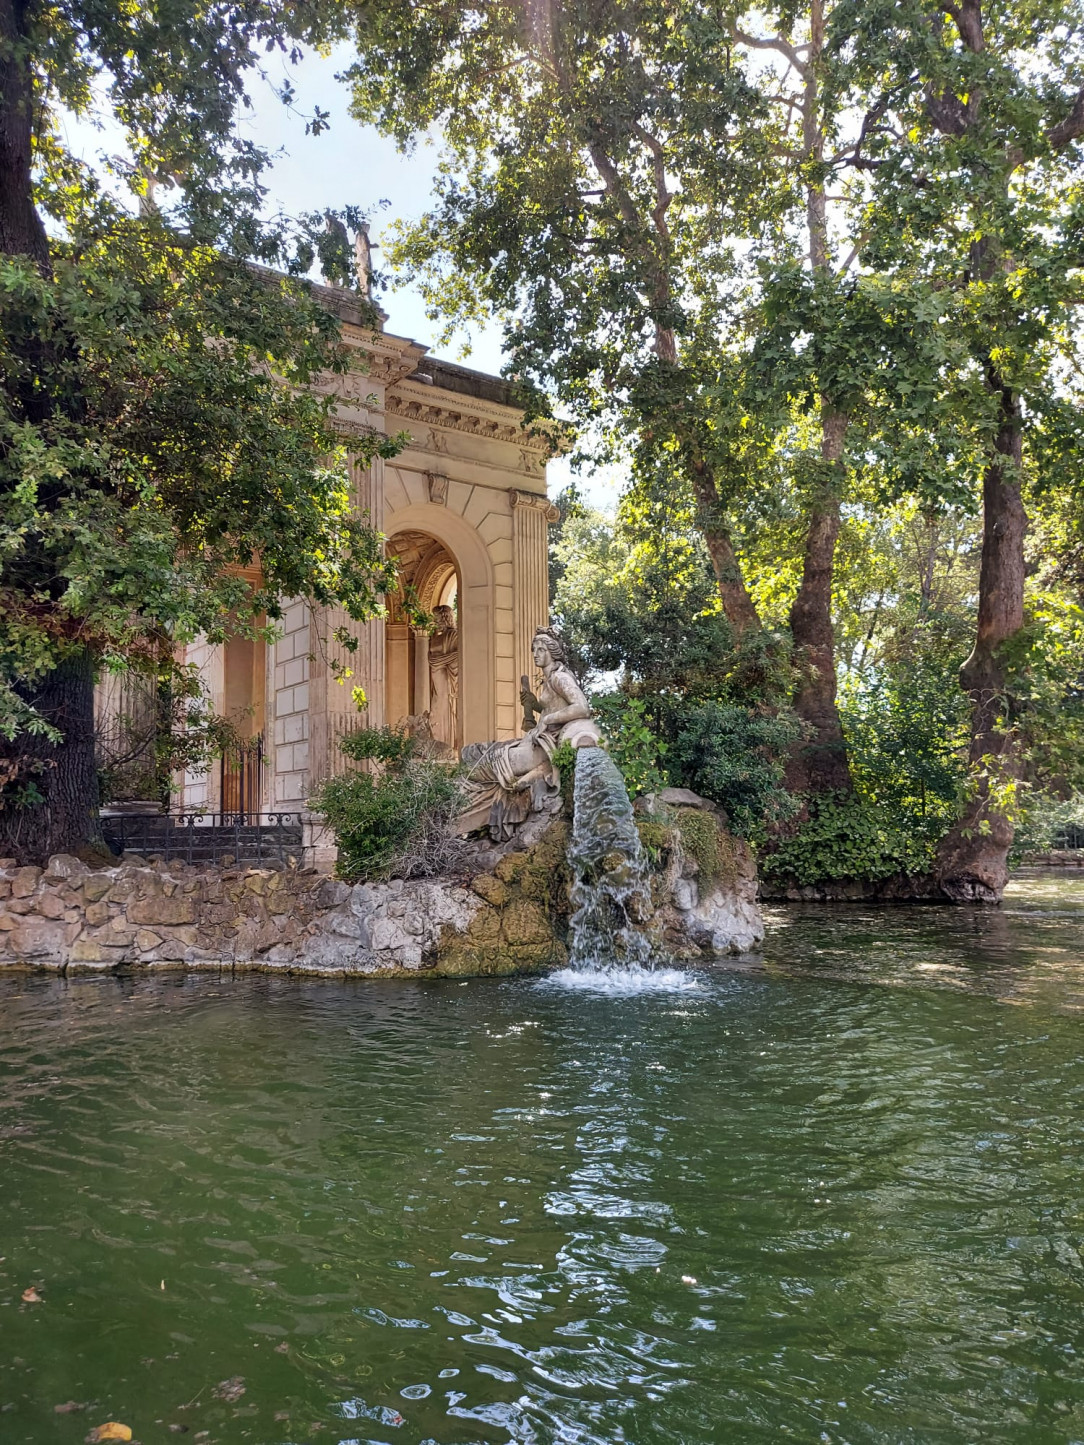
532	516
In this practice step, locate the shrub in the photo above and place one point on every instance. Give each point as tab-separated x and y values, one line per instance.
1049	823
703	840
631	742
907	739
393	747
393	822
736	756
564	760
846	837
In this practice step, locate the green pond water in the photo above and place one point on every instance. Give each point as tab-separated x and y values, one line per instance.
838	1196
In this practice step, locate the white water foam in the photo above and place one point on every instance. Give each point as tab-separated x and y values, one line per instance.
622	982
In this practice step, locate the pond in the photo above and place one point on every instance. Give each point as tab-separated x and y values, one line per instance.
838	1196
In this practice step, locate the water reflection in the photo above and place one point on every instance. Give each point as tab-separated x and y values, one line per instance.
777	1206
1030	949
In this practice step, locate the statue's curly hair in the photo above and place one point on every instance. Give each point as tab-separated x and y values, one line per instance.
556	647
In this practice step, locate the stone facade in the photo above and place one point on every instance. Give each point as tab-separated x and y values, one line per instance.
470	487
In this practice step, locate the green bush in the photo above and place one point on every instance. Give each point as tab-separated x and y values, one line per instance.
1049	823
393	822
564	760
631	742
703	839
846	837
390	746
907	741
736	757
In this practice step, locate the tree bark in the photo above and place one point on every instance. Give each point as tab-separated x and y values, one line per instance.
819	763
972	861
65	774
21	229
738	607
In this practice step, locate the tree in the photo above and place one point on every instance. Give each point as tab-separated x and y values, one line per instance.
638	603
595	158
975	114
643	191
159	443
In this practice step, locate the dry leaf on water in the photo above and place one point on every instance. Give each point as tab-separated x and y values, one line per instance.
31	1296
230	1390
111	1430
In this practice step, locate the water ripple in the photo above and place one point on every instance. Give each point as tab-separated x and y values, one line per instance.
776	1205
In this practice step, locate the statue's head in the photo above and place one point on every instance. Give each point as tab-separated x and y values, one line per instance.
547	644
445	617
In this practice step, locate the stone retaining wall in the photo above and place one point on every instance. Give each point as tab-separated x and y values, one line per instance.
509	919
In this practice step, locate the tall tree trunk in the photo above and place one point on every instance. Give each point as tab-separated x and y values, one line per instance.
21	229
65	774
972	862
738	607
819	763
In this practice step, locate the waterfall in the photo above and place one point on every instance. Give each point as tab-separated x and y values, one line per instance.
611	895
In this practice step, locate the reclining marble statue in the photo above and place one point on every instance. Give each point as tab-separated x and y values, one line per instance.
507	781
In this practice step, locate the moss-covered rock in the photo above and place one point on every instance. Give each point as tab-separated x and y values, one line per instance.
491	889
524	926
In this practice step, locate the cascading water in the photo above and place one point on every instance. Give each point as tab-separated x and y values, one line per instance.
610	893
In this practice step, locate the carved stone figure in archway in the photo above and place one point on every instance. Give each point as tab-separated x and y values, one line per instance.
509	780
444	677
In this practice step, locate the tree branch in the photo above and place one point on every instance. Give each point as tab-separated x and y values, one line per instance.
662	196
774	42
1069	129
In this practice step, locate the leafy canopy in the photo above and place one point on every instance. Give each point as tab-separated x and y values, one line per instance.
166	467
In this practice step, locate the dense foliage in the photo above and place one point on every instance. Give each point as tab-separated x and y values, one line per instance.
684	705
392	820
165	467
817	271
680	704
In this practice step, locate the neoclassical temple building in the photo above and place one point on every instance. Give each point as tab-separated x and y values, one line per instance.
465	512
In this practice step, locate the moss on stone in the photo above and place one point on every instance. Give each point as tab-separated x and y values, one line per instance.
710	845
510	867
521	927
656	839
491	889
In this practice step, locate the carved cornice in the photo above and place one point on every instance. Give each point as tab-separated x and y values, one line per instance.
477	419
535	503
388	358
344	427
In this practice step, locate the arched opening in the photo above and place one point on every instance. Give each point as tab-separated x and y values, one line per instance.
422	651
475	611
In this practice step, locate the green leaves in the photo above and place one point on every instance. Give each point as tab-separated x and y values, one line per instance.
160	476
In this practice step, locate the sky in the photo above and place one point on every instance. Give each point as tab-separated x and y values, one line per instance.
351	164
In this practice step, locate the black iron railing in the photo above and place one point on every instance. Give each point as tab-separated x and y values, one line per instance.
270	839
241	779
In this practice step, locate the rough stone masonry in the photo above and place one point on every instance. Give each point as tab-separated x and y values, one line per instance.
70	916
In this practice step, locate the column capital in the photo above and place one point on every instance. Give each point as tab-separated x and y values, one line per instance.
537	502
